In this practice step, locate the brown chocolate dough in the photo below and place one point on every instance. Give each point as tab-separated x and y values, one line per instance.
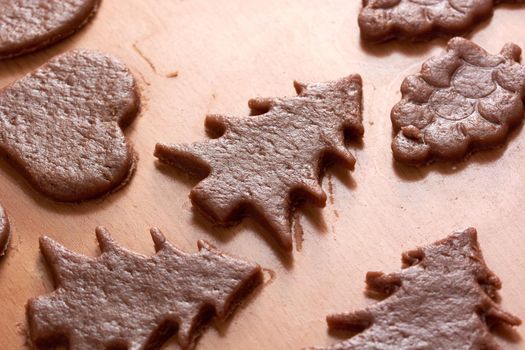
123	300
381	20
442	299
61	125
5	233
462	100
29	25
260	163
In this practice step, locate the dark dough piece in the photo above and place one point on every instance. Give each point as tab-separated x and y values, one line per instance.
4	231
381	20
30	25
463	100
62	125
258	164
442	299
123	300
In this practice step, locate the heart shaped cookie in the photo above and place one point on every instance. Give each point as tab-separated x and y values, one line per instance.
29	25
61	125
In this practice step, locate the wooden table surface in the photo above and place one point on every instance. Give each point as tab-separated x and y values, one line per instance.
225	52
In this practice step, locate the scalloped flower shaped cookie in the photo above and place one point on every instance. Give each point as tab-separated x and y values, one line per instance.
462	100
381	20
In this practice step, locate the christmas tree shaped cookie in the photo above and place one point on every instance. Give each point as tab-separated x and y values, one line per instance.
442	299
123	300
261	164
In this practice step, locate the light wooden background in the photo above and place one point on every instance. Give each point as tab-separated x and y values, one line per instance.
225	52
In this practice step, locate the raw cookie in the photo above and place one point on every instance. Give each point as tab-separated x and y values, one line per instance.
29	25
62	125
463	100
123	300
442	299
381	20
4	231
261	163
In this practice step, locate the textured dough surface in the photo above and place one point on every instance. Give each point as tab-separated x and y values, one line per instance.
462	100
444	298
5	233
129	301
29	25
381	20
61	125
260	162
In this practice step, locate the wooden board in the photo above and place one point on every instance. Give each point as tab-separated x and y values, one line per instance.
225	52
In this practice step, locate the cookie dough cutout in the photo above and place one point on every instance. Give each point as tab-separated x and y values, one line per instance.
61	125
129	301
382	20
30	25
444	298
5	232
259	165
463	100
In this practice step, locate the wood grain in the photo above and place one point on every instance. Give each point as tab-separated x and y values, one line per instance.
193	57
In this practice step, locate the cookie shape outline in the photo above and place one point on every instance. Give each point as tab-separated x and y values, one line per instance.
260	164
447	284
122	299
61	125
28	25
382	20
5	231
462	100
